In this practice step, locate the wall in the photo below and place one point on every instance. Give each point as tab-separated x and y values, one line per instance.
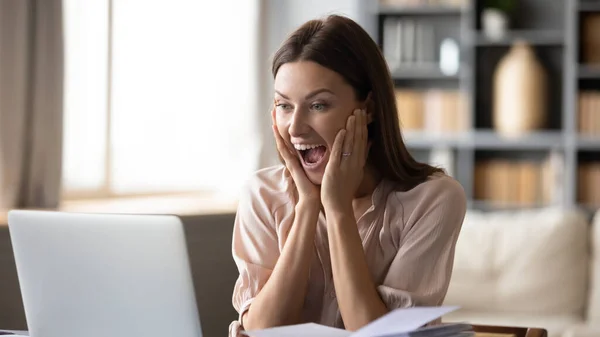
213	270
293	13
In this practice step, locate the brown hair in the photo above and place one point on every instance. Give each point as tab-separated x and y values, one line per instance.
340	44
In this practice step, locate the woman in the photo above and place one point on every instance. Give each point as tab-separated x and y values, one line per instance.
351	226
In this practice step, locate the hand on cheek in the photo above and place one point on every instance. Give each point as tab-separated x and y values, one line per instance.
345	169
307	191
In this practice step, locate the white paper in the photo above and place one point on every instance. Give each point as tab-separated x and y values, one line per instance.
402	320
14	333
299	330
397	322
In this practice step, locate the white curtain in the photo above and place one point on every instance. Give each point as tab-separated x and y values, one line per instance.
31	61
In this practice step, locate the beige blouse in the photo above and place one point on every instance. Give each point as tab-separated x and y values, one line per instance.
408	237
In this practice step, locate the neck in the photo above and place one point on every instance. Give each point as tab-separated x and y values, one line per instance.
371	179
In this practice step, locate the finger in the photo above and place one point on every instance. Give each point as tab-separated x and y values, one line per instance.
278	135
361	138
369	142
358	134
369	118
366	116
348	145
289	156
364	135
336	149
281	146
274	116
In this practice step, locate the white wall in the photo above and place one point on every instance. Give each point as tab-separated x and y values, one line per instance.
300	11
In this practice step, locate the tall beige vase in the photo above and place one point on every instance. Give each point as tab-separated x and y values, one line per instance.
520	92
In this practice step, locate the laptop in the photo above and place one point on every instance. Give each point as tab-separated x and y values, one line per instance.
103	275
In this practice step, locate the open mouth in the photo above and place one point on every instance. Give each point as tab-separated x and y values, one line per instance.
313	155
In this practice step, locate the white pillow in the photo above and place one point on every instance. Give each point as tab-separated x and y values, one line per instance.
530	261
593	312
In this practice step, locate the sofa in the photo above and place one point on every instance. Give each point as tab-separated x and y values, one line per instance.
532	268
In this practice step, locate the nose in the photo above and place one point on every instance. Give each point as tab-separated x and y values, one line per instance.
298	123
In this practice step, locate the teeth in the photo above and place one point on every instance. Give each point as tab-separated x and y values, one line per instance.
302	147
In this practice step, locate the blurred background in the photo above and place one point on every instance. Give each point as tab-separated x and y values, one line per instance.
154	107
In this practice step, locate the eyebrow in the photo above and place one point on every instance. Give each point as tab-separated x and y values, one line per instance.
311	94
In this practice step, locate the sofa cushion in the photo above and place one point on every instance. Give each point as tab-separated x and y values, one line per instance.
593	311
582	330
529	261
556	325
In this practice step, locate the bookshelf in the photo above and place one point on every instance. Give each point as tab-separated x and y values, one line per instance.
564	153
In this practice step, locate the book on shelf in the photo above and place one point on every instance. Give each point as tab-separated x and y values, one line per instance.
590	38
589	112
519	182
434	111
588	180
409	44
403	322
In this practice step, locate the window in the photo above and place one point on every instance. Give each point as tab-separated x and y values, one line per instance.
159	96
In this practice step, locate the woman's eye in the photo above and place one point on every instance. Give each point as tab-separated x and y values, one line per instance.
282	106
319	106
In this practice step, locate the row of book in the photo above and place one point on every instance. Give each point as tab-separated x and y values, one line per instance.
408	43
519	182
588	189
434	110
589	113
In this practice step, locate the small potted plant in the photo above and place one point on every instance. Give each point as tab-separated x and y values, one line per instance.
495	17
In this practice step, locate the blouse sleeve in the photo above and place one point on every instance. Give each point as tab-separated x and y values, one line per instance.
254	248
420	272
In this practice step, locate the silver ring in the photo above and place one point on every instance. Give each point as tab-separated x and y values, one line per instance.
346	154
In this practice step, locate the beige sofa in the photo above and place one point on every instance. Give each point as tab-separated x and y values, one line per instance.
534	268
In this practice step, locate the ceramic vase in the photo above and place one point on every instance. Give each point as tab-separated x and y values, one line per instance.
520	92
495	23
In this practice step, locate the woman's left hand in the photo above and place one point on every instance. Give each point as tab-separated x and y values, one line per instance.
345	169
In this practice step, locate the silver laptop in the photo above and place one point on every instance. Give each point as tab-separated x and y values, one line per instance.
104	275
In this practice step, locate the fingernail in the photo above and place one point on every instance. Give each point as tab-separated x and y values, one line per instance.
356	112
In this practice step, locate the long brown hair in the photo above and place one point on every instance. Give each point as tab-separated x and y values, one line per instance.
340	44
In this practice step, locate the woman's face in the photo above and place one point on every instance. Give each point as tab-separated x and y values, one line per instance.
312	103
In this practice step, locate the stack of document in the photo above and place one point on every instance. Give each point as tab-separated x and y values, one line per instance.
409	322
13	333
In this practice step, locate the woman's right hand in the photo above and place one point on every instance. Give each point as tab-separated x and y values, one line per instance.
307	191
